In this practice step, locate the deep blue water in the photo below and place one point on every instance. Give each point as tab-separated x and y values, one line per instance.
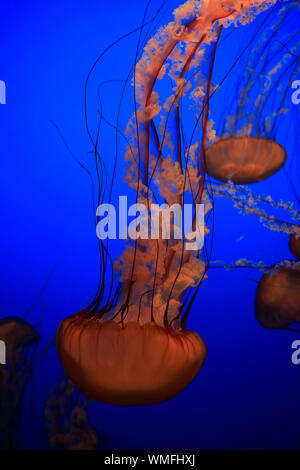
247	394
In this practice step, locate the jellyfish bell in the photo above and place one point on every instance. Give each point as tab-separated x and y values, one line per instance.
19	337
128	365
244	160
21	340
294	244
277	302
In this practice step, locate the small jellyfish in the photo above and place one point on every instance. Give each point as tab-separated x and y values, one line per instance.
294	244
247	149
21	341
277	302
251	144
244	160
20	337
67	422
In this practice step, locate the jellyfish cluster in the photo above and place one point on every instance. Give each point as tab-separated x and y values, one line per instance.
131	345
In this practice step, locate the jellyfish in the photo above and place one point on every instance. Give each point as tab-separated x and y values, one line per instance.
244	160
67	422
249	145
19	337
134	348
294	240
277	302
294	244
21	341
248	149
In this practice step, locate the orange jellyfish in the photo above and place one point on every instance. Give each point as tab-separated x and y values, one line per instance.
135	348
128	365
21	341
277	302
244	160
247	149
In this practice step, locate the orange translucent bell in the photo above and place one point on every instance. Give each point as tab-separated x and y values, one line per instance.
295	244
133	365
277	301
244	160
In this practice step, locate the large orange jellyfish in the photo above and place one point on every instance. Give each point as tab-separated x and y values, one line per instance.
134	348
277	302
129	365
